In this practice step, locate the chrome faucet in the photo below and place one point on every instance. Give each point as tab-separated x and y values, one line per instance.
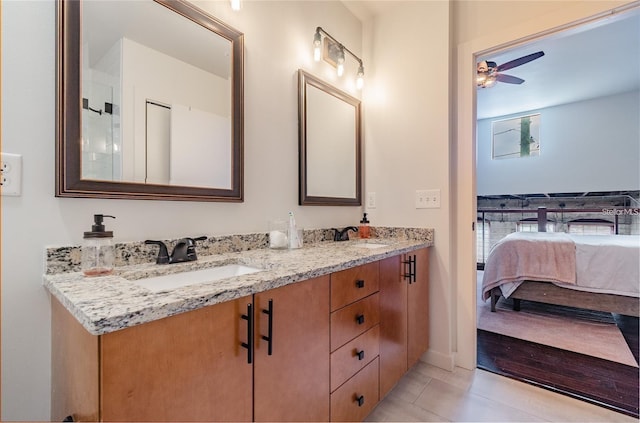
184	250
343	234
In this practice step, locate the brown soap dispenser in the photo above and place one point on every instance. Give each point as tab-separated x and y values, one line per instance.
363	229
98	252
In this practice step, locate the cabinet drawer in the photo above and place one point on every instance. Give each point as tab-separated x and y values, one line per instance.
354	400
353	356
348	286
354	319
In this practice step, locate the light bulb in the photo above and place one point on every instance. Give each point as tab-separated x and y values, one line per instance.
235	5
317	42
341	61
360	77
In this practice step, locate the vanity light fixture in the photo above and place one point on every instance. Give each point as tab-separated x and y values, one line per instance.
334	53
235	5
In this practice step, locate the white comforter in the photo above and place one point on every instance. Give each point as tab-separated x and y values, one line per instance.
604	264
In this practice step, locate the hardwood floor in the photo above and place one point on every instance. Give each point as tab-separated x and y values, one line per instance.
630	330
592	379
430	394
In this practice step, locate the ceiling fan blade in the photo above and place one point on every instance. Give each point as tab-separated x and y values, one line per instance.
509	79
520	61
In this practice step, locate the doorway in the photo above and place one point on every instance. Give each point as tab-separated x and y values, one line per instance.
573	15
599	25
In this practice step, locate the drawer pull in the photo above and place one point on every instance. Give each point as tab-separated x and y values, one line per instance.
360	355
360	319
360	400
360	283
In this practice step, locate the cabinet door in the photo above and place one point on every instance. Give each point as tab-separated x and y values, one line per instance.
189	367
393	324
75	368
418	308
292	384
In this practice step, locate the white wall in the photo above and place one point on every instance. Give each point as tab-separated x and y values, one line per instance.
586	146
278	41
407	133
407	121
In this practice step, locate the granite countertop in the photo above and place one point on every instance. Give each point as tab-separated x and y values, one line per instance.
110	303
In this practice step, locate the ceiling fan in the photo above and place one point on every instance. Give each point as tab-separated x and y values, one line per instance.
488	73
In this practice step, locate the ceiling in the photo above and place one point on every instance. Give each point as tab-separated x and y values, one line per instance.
590	61
156	27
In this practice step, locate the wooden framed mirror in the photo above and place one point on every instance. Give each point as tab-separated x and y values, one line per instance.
149	102
330	164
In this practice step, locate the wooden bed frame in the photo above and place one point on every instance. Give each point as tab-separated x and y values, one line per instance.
546	292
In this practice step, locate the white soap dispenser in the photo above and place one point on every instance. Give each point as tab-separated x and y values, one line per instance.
98	252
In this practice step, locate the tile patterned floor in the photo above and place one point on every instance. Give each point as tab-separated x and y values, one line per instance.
430	394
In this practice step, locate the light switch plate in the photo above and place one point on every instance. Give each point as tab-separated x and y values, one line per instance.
428	199
371	200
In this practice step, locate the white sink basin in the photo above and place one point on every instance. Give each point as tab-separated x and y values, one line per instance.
370	245
177	280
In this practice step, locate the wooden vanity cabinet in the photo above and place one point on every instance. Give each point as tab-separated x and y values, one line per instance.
189	367
192	366
404	314
323	349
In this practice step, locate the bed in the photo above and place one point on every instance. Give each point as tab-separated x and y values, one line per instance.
595	272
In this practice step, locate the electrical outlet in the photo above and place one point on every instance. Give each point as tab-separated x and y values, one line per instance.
427	199
11	174
371	200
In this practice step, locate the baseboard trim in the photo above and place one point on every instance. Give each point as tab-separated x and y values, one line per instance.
435	358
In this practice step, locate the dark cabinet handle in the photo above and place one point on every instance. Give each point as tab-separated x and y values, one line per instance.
410	269
269	337
249	344
360	400
360	355
360	319
360	283
415	268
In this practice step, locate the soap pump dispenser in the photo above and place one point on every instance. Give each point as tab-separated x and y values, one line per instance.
98	252
363	229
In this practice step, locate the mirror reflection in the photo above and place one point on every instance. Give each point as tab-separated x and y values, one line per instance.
149	102
330	143
156	92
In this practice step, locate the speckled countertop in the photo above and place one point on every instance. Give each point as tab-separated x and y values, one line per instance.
109	303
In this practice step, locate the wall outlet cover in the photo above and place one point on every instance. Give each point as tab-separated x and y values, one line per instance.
11	174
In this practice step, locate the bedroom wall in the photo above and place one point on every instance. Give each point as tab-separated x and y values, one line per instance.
584	147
